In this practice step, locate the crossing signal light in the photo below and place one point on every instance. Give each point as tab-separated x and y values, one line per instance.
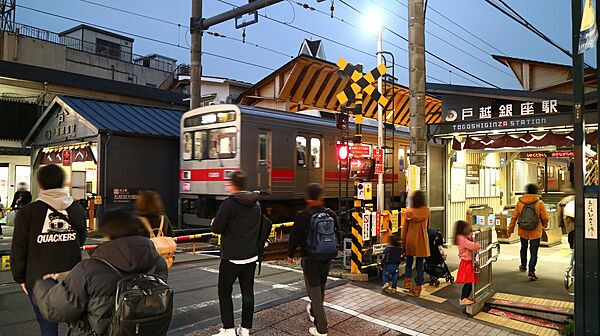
341	120
342	152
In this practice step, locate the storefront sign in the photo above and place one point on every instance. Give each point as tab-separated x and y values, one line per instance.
124	195
65	128
66	157
556	154
591	218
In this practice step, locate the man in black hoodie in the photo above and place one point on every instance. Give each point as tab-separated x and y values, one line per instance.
238	221
47	238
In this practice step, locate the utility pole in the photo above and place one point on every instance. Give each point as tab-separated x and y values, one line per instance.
198	24
196	75
416	75
380	116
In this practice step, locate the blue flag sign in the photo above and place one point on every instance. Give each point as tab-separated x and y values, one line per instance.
588	34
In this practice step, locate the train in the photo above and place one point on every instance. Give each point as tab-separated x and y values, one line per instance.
281	152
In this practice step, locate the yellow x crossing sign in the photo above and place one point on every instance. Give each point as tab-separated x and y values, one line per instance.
361	82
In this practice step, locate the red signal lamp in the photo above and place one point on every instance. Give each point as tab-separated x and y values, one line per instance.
342	152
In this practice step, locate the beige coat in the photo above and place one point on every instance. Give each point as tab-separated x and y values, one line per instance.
414	232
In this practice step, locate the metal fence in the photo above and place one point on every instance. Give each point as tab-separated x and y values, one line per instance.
103	50
482	264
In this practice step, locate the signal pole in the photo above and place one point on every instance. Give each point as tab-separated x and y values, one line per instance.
416	75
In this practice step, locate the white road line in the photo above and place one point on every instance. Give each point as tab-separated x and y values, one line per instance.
273	285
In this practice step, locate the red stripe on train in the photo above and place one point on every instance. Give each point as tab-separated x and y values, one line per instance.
203	175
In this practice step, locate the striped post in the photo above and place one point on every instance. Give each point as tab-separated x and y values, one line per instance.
357	242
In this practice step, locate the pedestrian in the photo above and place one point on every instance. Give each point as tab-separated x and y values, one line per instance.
238	221
415	224
391	262
22	196
47	237
314	231
466	273
531	215
85	298
565	212
1	216
149	206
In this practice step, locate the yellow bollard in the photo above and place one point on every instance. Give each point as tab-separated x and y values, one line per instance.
357	242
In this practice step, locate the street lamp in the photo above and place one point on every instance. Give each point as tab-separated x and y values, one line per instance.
374	22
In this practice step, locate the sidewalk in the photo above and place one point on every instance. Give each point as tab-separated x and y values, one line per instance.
353	310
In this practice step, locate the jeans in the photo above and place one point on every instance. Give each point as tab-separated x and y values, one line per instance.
315	277
228	273
466	290
534	246
408	272
391	270
46	328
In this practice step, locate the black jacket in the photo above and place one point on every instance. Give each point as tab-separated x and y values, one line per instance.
21	199
300	229
42	242
154	221
86	297
238	221
392	255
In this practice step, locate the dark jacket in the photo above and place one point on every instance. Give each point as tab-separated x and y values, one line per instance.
21	199
154	221
86	297
300	229
392	255
43	243
238	221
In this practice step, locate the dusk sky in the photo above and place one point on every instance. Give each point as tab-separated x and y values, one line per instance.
553	17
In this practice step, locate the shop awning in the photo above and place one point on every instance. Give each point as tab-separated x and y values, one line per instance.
98	116
527	140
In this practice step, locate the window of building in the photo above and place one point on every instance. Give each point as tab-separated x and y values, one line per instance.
199	145
187	146
222	143
315	152
300	151
108	48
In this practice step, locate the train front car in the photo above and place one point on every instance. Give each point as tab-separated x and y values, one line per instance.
210	147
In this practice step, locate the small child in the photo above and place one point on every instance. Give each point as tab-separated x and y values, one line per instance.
390	262
466	273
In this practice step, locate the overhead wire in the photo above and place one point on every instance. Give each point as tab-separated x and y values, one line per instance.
493	66
428	52
144	37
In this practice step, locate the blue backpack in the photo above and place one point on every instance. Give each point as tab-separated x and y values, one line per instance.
321	241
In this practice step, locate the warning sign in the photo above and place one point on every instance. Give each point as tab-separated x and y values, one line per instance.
366	226
360	150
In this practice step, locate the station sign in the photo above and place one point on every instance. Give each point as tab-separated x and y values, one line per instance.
555	154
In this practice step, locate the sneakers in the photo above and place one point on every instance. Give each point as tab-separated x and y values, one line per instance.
466	302
226	332
386	285
522	268
310	316
241	331
313	331
532	276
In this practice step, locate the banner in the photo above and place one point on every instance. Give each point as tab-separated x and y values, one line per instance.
588	34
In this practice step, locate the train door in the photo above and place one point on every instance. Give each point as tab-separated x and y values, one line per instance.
302	163
315	174
264	161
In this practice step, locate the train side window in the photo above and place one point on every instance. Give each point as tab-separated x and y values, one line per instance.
223	143
187	146
315	152
262	149
199	145
300	151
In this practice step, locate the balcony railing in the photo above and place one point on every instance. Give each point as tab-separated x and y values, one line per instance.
93	48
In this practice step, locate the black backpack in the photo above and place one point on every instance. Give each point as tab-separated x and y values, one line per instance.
321	241
529	219
143	305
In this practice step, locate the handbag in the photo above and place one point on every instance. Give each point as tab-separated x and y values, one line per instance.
165	246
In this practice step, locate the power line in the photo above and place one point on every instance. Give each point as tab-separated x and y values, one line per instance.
428	52
145	37
458	25
515	16
493	66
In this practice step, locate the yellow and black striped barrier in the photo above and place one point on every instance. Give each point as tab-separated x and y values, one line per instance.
361	83
357	243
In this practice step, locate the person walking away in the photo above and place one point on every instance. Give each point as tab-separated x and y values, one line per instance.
531	215
391	262
415	224
466	273
314	231
85	298
22	197
47	238
238	220
149	206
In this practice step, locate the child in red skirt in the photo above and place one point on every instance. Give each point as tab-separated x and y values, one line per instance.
466	273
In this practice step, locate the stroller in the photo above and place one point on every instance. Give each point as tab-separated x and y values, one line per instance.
435	264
